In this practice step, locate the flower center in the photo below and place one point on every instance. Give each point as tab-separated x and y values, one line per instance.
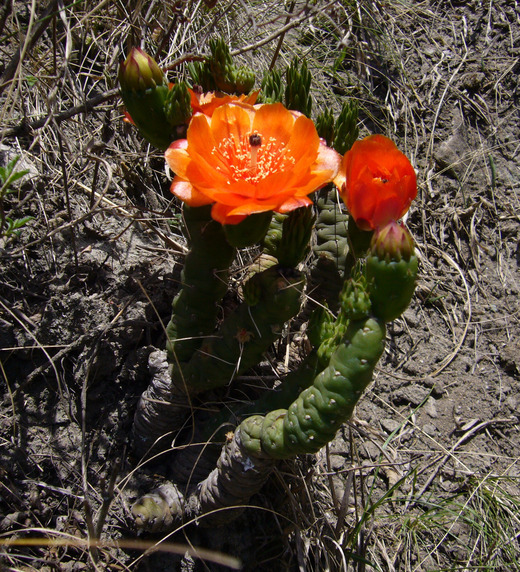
253	157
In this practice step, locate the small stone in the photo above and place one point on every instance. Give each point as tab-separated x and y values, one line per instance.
436	385
390	425
429	429
431	408
412	394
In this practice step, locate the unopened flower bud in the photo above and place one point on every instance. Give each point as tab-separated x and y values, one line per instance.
391	270
392	242
140	72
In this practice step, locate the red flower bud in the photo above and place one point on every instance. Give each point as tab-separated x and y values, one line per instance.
376	181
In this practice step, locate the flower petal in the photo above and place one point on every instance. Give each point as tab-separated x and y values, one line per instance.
185	191
220	213
273	121
294	203
304	141
232	122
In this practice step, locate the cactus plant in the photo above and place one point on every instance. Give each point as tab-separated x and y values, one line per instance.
246	174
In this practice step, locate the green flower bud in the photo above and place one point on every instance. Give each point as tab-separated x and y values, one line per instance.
244	80
392	242
140	72
391	271
160	114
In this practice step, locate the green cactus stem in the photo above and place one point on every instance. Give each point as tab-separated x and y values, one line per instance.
273	297
314	417
289	235
330	252
250	231
204	281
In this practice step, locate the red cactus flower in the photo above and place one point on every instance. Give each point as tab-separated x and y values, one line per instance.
376	181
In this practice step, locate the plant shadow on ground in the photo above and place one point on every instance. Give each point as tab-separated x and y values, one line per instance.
426	475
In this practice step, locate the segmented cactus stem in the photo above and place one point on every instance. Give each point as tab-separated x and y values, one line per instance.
216	500
204	283
161	409
313	418
330	251
273	297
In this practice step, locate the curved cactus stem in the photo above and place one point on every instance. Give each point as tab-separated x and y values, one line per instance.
165	405
161	410
313	418
216	500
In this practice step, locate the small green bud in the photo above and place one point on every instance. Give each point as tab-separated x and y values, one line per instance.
272	88
355	299
201	76
391	270
346	130
325	126
298	90
140	72
178	105
392	242
160	114
244	80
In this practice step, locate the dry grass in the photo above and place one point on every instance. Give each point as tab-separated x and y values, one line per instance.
426	477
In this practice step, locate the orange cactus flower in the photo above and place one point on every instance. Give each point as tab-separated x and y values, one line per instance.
207	102
376	181
248	159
